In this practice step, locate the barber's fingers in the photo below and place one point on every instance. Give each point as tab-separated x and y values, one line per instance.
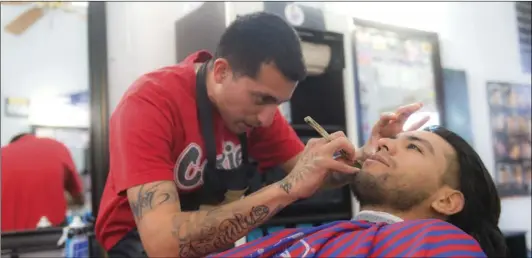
340	134
401	114
407	110
339	165
418	124
412	107
336	134
337	144
315	142
384	120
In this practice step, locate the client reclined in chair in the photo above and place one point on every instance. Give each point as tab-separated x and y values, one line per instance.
423	194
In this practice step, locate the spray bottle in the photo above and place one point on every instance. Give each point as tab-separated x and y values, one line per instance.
77	241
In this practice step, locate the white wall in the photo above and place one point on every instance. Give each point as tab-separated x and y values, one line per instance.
50	58
140	38
480	38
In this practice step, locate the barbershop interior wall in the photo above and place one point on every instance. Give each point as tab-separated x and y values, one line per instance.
480	38
50	58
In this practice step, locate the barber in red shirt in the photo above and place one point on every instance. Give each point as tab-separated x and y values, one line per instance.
180	140
35	174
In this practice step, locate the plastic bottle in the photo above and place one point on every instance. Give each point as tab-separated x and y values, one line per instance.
44	222
77	241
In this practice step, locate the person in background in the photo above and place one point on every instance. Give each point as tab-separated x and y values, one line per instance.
36	172
422	194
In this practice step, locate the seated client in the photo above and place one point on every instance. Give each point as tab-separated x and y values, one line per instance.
423	194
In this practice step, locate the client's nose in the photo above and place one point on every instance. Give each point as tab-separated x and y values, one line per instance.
386	144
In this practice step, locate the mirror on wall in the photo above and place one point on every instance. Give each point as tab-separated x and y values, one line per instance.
45	114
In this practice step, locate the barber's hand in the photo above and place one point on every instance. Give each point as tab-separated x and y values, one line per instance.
390	125
315	163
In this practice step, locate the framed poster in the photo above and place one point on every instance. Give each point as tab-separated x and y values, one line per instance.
510	122
394	67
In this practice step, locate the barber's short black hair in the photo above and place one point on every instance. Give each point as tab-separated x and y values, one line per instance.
18	136
261	38
482	209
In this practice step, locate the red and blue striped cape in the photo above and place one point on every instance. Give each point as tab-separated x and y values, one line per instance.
415	238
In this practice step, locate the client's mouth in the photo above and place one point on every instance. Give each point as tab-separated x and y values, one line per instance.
379	158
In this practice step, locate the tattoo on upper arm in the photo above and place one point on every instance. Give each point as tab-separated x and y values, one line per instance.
200	235
148	199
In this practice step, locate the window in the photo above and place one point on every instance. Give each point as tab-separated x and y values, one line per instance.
524	19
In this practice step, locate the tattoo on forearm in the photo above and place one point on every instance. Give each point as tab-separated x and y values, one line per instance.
148	199
306	165
203	234
286	186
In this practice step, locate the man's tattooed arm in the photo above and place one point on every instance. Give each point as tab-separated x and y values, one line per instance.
166	231
305	170
332	180
202	233
148	197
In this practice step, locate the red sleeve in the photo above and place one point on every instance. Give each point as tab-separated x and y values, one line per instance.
274	145
140	139
72	179
74	185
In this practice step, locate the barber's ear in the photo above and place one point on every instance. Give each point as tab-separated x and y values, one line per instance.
220	70
448	202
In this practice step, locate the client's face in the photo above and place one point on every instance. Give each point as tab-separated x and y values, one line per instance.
405	172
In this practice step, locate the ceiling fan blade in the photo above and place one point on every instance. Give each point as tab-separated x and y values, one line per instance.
24	21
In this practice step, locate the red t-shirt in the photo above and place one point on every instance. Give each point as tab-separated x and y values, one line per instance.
155	135
35	172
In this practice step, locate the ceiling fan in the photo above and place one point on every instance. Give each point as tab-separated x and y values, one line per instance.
31	16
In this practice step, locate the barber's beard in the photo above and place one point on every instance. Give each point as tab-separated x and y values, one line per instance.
370	190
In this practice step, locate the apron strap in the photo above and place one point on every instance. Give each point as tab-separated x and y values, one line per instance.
216	182
243	138
205	107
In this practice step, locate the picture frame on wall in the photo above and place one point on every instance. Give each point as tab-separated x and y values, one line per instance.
17	107
456	104
510	123
400	65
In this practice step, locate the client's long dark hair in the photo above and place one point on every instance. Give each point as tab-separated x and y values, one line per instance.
482	208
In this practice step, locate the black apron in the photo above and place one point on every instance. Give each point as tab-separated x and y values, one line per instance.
217	183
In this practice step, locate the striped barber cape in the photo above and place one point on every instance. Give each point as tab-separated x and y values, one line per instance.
361	238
